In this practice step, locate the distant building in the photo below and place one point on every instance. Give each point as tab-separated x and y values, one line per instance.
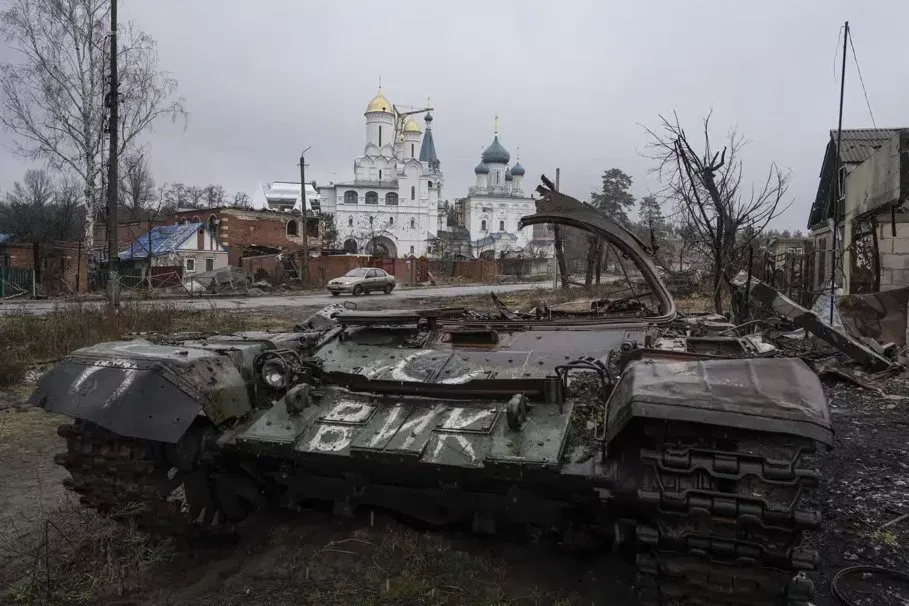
191	246
496	203
285	196
390	206
793	246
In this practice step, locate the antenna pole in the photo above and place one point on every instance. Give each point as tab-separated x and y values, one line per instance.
839	187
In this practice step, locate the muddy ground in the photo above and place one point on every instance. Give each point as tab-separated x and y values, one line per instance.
312	558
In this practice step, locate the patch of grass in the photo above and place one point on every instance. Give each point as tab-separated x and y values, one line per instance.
887	538
29	339
70	555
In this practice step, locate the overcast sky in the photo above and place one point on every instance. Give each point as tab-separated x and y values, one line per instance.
571	81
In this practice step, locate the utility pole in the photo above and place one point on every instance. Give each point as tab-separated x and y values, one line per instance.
113	124
304	274
838	190
561	264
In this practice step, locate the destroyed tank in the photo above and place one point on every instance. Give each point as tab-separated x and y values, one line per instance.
692	455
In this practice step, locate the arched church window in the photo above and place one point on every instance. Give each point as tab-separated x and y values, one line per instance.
372	197
501	225
370	221
292	230
413	223
430	185
196	219
380	139
413	192
350	222
380	174
411	150
391	199
483	225
497	177
350	197
391	220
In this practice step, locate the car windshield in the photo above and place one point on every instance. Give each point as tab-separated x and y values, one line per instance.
356	273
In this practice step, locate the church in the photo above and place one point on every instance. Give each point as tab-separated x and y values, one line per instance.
496	203
391	206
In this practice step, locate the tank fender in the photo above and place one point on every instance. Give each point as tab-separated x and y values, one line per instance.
773	395
144	391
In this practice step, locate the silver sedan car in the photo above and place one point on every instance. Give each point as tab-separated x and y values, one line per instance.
362	280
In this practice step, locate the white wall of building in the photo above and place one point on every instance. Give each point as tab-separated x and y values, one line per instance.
392	167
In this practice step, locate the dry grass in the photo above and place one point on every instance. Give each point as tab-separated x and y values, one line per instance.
70	555
27	339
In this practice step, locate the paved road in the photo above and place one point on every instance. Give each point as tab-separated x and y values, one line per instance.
315	300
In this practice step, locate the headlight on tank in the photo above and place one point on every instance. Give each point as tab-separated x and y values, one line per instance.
274	373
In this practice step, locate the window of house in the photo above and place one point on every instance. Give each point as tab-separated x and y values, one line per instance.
209	264
413	223
501	225
391	199
350	197
350	222
483	225
189	264
292	229
372	197
413	192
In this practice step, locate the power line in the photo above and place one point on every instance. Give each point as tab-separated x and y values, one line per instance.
862	81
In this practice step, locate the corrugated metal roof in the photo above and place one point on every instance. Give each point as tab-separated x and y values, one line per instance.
858	144
161	240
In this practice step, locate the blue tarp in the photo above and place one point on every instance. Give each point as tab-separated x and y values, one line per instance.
164	240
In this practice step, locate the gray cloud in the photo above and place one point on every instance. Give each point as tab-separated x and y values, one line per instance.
572	82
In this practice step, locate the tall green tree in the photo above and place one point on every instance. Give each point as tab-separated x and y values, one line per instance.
651	213
614	200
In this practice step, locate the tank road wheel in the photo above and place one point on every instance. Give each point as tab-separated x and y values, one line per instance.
721	518
357	290
165	488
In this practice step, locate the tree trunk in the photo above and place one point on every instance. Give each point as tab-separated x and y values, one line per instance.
600	256
717	290
560	256
591	259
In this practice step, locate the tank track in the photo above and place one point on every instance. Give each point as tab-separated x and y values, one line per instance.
725	522
123	478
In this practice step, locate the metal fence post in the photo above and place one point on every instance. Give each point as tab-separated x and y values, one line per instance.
33	284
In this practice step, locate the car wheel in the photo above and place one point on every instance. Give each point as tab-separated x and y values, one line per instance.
335	294
388	289
357	290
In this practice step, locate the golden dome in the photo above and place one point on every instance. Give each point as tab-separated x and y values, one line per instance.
379	103
411	126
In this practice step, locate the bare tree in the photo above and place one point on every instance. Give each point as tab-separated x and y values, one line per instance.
241	200
52	99
214	195
137	184
707	189
38	210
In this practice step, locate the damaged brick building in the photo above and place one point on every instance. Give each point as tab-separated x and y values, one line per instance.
872	221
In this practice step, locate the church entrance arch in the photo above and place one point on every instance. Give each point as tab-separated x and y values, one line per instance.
382	246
